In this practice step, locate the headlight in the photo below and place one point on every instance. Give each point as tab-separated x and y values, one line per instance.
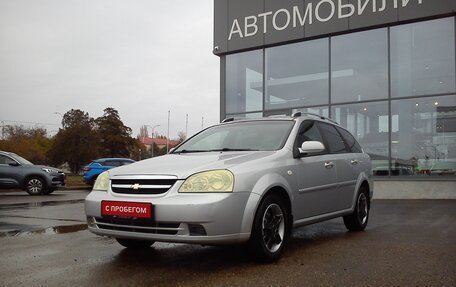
209	181
102	182
49	170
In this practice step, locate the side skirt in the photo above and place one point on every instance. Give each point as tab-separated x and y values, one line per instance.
321	217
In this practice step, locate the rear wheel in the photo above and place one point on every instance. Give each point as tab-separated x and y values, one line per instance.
270	229
35	186
135	244
357	221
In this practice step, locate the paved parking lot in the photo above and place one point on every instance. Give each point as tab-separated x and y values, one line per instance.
44	242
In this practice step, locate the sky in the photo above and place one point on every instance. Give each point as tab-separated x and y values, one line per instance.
141	57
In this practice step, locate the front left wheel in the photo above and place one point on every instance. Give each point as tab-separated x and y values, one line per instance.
35	186
270	229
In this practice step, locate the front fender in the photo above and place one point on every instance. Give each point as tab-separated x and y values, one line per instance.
261	187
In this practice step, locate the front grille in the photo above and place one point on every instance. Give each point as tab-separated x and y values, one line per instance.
59	178
137	225
142	186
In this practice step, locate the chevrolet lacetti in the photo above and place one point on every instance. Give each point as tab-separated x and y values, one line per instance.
242	181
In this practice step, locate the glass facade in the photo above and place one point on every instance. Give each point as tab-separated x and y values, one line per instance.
244	82
393	88
359	66
423	138
423	58
297	75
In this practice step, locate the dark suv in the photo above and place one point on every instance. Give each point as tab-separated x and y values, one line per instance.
17	172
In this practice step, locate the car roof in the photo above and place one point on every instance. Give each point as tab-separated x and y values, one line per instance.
7	152
112	158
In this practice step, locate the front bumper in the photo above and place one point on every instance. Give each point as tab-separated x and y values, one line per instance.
208	218
57	179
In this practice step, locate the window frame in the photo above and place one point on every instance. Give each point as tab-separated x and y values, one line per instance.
296	153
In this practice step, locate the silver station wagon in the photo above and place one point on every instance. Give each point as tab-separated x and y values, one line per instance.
242	181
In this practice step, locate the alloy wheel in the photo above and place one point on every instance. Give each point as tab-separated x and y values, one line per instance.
362	208
273	228
35	186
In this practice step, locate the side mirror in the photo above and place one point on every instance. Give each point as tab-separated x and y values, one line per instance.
311	147
13	164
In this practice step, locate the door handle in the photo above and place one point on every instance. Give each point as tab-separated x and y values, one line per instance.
354	161
329	164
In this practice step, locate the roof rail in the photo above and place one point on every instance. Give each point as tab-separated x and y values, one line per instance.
298	114
228	120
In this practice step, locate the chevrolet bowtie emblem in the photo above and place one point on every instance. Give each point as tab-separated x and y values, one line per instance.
136	186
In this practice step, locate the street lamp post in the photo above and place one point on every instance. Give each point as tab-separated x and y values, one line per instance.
167	135
186	126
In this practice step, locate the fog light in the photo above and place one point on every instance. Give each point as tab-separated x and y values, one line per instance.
196	230
91	221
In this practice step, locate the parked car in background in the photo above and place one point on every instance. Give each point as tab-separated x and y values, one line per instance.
395	171
443	168
17	172
240	181
93	169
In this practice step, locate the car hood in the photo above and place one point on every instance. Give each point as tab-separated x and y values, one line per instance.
184	165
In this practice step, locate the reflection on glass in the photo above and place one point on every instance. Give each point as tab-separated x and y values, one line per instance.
246	116
297	75
423	58
424	142
359	66
369	125
244	82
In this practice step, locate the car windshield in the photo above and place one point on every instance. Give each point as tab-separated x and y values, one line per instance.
240	136
21	160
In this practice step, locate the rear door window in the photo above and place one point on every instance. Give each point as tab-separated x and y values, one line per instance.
352	144
334	140
112	163
6	160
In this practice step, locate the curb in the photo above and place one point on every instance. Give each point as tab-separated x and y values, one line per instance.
76	188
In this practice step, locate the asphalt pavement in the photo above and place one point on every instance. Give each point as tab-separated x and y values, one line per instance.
44	242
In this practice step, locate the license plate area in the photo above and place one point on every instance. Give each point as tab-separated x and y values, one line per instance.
126	209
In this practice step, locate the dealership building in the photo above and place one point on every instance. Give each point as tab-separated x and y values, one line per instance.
384	69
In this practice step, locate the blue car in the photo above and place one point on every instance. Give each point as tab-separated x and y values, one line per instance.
92	170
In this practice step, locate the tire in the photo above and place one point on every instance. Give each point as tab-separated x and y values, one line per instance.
48	191
270	229
134	244
35	185
357	221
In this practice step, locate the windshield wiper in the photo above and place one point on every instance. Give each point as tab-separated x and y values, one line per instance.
210	150
191	150
234	149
